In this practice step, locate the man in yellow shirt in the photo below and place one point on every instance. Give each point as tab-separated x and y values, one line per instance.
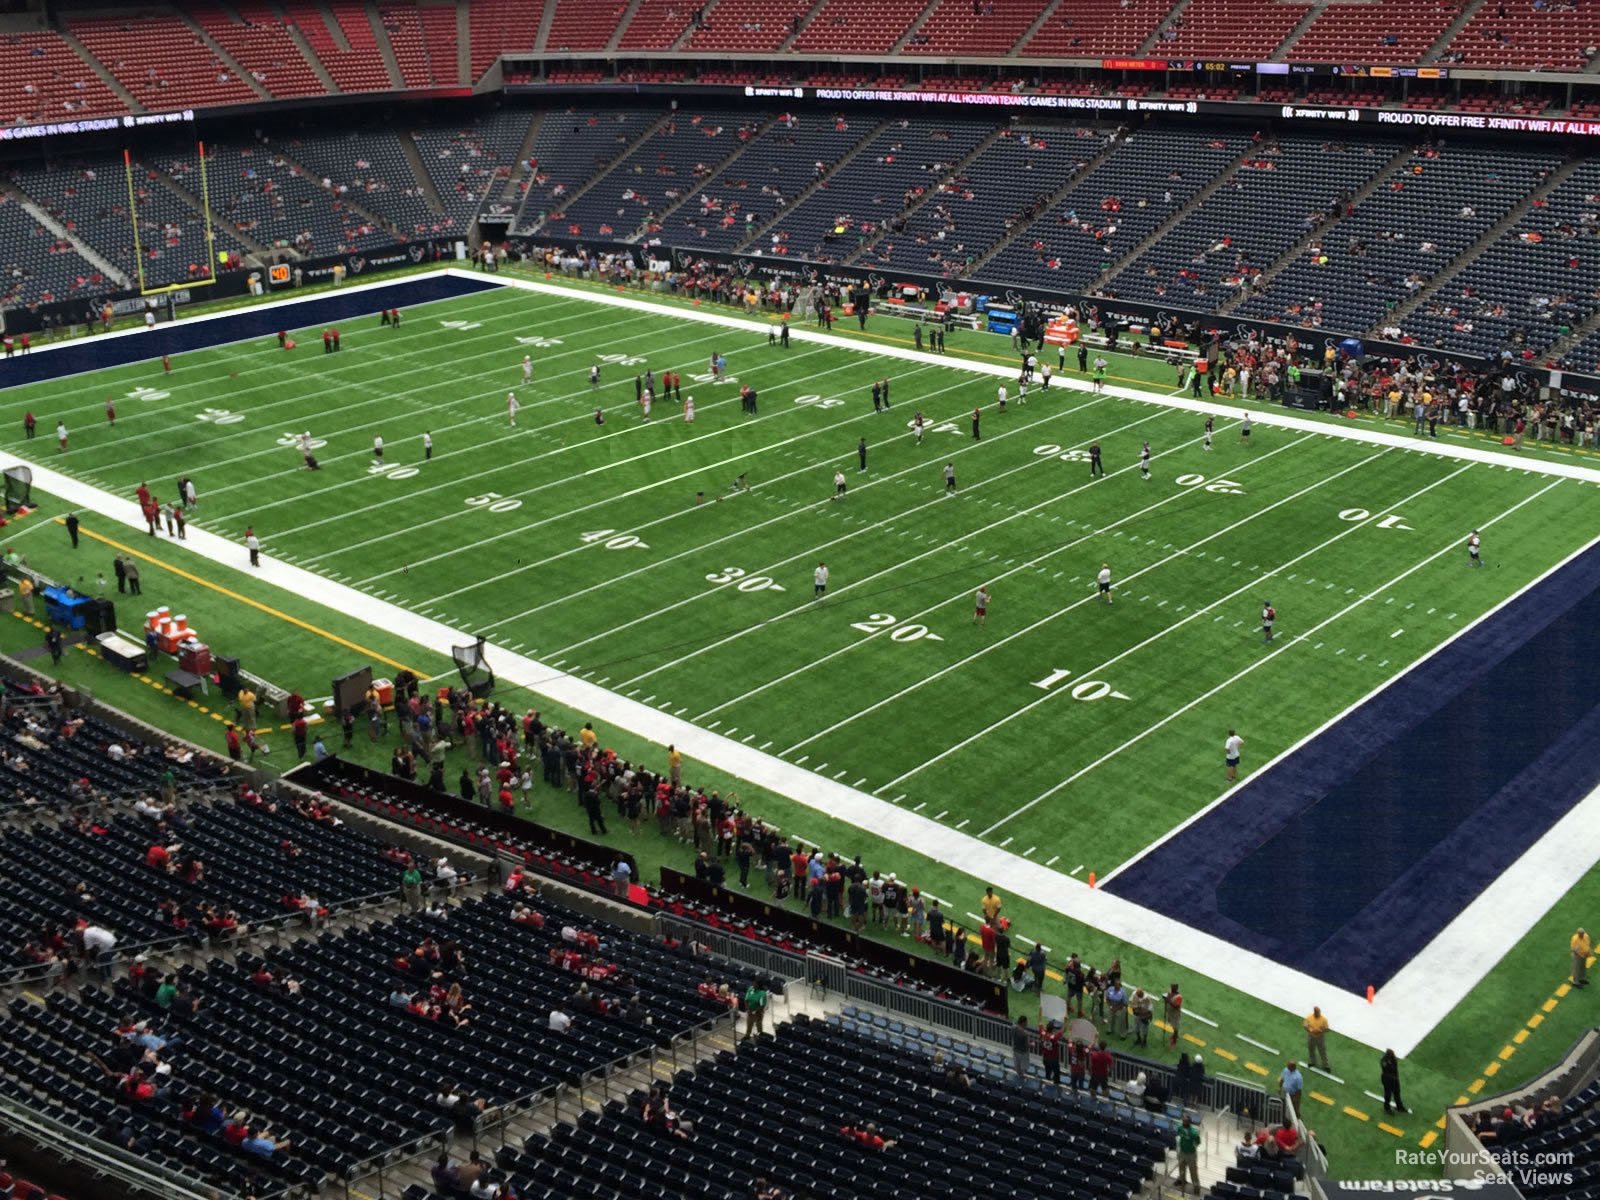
247	708
1580	958
1316	1026
25	591
588	736
674	765
990	904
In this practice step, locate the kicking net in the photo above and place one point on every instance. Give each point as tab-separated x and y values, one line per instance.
474	668
19	488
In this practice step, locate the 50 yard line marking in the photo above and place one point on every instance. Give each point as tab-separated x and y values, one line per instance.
700	547
477	448
813	550
857	583
639	429
1028	565
1454	545
810	466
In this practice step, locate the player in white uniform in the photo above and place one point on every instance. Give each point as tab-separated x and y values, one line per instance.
377	447
1022	392
594	376
646	397
1001	392
839	485
1269	617
511	408
688	410
427	446
1230	751
527	368
1104	581
1144	463
980	606
1473	547
819	581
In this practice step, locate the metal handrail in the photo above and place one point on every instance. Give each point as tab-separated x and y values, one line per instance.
74	1144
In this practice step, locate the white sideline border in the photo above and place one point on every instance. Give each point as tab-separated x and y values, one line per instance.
1403	1013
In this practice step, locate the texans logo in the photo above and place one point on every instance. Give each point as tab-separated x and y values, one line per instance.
874	282
356	264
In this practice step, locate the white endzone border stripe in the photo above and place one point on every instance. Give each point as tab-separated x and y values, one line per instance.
1400	1017
1263	417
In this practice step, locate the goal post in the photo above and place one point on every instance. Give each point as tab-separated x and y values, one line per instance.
146	288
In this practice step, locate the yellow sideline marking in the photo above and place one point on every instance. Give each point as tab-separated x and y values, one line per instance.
246	600
1390	1129
1428	1139
1320	1098
1356	1113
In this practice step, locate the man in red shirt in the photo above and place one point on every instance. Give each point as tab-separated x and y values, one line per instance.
986	938
233	743
1050	1051
1100	1061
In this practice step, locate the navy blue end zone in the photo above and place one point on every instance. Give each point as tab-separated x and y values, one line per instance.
99	351
1349	856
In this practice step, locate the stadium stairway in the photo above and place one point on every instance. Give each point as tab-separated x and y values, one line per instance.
1049	209
318	67
84	251
95	65
1380	177
1492	235
1462	19
385	46
800	197
625	20
222	54
430	193
1295	34
912	27
1132	254
601	172
1153	42
514	189
931	193
692	192
1032	31
801	25
251	242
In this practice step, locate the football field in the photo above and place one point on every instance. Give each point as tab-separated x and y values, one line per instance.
1066	729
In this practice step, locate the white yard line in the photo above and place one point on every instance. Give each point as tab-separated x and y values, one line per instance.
1400	1016
1029	565
811	553
1260	417
700	547
1094	672
636	428
494	414
1454	545
821	466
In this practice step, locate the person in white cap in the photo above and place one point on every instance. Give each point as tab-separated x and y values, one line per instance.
445	873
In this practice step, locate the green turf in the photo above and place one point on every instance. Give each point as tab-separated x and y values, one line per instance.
584	545
932	721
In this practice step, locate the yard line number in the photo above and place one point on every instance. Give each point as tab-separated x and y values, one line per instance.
909	632
743	581
393	470
1086	690
1392	521
611	539
494	502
